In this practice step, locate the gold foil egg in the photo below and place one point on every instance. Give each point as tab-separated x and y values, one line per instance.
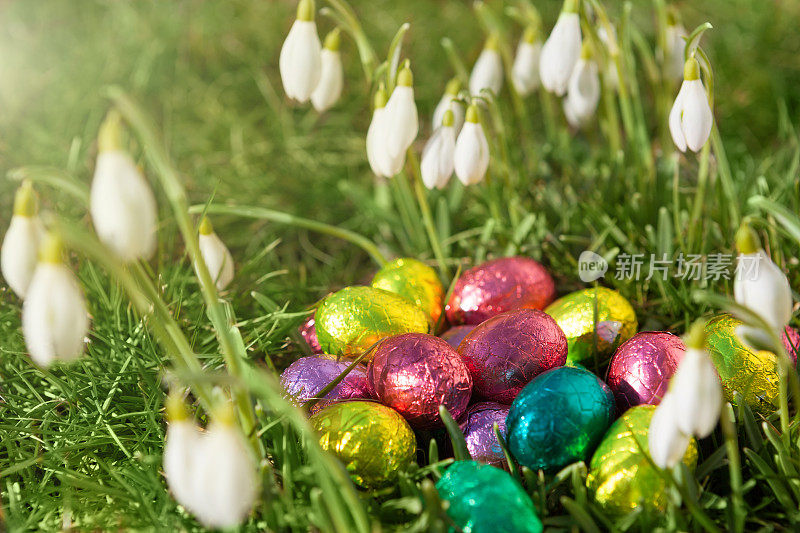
615	322
620	477
415	281
351	320
372	441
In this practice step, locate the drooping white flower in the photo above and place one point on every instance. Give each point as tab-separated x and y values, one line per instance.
122	204
402	121
301	55
525	71
676	43
216	255
437	157
18	256
691	119
54	316
448	102
182	441
471	157
666	442
377	154
561	50
698	393
487	73
331	80
584	91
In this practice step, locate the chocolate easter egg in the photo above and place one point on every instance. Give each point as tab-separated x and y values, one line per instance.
483	498
372	441
415	281
642	367
456	334
559	418
351	320
478	428
507	351
598	317
791	342
621	478
305	378
415	373
498	286
309	334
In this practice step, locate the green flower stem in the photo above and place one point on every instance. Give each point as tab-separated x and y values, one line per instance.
734	467
53	177
455	61
427	219
365	51
695	224
663	89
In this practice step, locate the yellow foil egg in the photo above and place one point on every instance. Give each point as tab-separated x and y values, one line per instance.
372	441
752	373
415	281
351	320
579	312
620	476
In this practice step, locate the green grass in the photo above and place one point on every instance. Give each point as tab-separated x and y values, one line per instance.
81	445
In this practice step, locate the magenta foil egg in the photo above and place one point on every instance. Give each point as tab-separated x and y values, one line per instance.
505	352
498	286
414	373
642	367
456	334
478	428
305	378
791	341
309	334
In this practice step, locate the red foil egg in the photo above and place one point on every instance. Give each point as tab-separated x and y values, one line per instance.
498	286
456	334
309	334
414	373
505	352
642	367
478	428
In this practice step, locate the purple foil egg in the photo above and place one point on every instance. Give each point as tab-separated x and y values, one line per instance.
478	428
414	373
306	377
456	334
642	367
309	333
504	353
791	341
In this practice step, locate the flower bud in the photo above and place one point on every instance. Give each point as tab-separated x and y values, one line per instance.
471	157
331	81
584	91
448	102
525	71
437	157
301	55
561	50
18	256
216	255
691	119
402	121
488	70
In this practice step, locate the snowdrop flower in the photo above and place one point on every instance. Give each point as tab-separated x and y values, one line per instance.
691	119
487	73
402	121
448	102
676	44
54	317
666	442
437	157
471	157
379	160
525	71
122	204
21	244
561	50
698	393
331	80
216	255
584	90
301	56
182	440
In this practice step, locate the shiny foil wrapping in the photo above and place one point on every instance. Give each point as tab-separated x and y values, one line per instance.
456	334
504	353
621	478
415	281
415	373
483	498
372	441
559	418
791	341
478	428
351	320
642	367
498	286
589	317
306	377
309	334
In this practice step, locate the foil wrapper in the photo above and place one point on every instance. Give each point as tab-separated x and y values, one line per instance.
309	334
372	441
456	334
415	373
559	418
791	341
350	321
485	498
642	367
598	317
498	286
305	378
478	428
415	281
504	353
621	478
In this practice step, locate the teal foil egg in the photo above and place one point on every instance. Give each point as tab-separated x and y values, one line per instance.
559	418
486	499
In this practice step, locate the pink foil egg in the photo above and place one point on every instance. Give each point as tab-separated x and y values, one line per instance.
642	367
505	352
498	286
414	373
305	378
791	341
309	334
456	334
478	428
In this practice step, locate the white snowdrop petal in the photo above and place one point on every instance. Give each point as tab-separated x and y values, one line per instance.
487	73
697	119
666	443
560	53
20	250
218	259
331	81
583	93
525	71
375	137
402	122
300	60
471	156
180	460
675	119
765	290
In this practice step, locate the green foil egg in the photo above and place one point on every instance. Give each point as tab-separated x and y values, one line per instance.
620	476
415	281
575	314
351	320
372	441
484	498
